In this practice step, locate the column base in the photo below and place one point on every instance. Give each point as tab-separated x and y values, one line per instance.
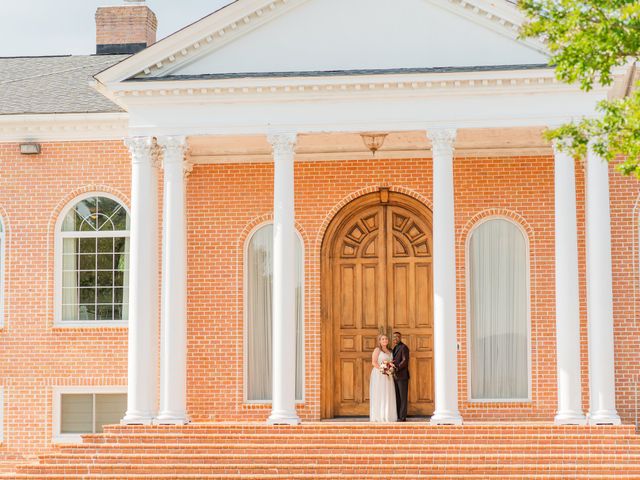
171	419
446	418
604	417
137	419
570	418
284	418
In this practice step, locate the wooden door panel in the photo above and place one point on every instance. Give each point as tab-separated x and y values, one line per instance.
423	295
347	297
410	292
370	299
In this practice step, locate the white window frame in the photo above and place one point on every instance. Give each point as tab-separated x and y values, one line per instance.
56	435
1	415
245	334
59	235
523	232
3	240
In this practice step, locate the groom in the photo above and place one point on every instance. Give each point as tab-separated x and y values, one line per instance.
401	379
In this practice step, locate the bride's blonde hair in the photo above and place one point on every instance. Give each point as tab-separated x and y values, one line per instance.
380	338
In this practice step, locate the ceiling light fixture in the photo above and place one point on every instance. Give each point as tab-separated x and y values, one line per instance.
374	140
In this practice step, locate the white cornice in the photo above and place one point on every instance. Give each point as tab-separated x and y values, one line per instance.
300	88
243	16
63	127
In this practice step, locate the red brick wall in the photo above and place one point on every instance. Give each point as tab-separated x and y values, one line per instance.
225	202
34	356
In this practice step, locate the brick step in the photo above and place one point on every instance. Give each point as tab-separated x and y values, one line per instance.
423	458
361	427
163	449
338	470
348	437
313	476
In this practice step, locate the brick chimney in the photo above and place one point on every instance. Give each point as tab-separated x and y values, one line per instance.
126	28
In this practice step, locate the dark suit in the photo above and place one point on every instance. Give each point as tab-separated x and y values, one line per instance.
401	361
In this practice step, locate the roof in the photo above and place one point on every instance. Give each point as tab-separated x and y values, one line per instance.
346	73
56	84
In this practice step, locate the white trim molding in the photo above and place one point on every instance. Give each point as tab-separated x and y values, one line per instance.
57	263
3	261
63	127
56	420
245	334
2	416
527	240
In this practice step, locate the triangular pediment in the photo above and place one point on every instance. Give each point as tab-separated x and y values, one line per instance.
283	36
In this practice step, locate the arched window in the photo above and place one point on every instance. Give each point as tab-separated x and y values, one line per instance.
2	244
498	312
258	294
93	260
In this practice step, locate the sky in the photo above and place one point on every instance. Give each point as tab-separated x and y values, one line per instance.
61	27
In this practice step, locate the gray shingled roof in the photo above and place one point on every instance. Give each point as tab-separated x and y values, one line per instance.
341	73
53	84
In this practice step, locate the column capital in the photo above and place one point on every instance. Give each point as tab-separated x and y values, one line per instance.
442	138
175	149
143	150
283	142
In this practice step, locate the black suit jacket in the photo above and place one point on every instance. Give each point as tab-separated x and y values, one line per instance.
401	361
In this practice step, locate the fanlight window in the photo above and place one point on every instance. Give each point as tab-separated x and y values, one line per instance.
259	283
498	311
95	261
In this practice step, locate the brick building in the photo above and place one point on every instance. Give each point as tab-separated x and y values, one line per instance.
196	227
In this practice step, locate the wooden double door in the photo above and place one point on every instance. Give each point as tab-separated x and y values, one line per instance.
377	278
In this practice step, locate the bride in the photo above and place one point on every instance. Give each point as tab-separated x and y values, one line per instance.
382	393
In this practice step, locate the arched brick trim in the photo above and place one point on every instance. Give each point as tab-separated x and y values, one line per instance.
51	234
357	194
498	213
463	330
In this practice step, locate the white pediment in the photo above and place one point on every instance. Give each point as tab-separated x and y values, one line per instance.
327	35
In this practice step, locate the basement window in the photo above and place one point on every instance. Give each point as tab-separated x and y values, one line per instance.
82	412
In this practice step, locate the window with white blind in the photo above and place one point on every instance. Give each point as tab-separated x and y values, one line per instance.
79	411
258	298
92	261
1	415
498	309
2	243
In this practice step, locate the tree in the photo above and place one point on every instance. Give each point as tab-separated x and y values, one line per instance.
588	40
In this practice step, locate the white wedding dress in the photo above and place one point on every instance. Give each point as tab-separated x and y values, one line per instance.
382	394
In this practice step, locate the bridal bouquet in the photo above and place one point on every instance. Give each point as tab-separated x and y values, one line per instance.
387	368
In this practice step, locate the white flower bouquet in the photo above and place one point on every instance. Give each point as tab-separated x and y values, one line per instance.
387	368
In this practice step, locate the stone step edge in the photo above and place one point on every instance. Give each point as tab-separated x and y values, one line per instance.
312	476
82	447
267	466
383	456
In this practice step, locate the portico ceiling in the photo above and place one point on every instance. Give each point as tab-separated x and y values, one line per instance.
349	146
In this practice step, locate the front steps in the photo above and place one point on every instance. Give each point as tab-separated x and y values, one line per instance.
345	450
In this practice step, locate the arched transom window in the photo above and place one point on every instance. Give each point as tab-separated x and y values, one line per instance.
258	294
94	238
498	312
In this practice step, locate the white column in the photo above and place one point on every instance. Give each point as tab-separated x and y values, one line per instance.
284	281
567	294
600	294
142	383
173	363
444	281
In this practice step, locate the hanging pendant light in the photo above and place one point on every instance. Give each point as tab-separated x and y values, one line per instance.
374	140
